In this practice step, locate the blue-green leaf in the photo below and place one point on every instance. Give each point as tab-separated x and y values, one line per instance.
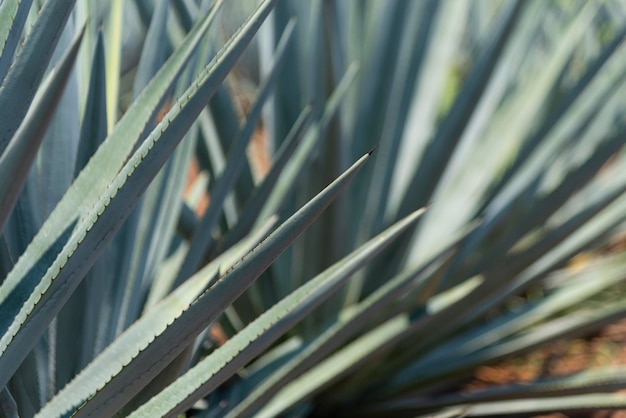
346	326
21	83
158	337
17	159
94	125
13	15
81	205
203	240
155	47
253	207
8	407
266	329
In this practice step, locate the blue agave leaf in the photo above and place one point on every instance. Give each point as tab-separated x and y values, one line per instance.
21	83
76	208
155	48
202	241
434	160
54	169
147	347
266	329
17	159
8	407
13	14
93	130
250	215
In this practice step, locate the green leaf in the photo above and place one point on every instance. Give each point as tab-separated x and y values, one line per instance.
606	379
85	203
440	150
328	370
202	241
113	61
8	407
253	207
54	174
507	118
13	15
17	159
404	80
567	107
257	336
94	125
302	156
600	275
21	83
349	323
158	337
589	402
154	51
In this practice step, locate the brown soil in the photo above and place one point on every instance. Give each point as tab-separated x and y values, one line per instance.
559	359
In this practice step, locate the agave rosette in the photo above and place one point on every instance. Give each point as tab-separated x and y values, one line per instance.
497	129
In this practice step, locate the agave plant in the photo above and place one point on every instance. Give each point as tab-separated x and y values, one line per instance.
497	129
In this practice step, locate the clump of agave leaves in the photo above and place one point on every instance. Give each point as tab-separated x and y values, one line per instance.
121	296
